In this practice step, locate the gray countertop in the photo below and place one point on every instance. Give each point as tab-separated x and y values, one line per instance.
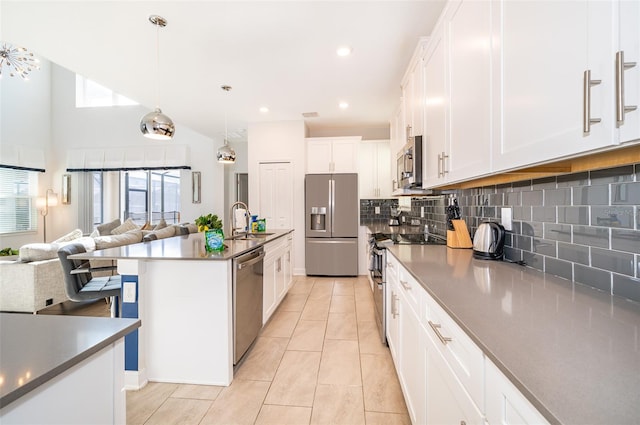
37	348
572	350
186	247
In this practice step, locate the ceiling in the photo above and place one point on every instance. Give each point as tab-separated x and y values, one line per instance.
278	54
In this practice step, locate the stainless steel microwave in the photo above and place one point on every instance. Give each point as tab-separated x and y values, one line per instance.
410	164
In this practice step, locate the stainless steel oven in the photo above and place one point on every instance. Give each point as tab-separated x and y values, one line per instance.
377	275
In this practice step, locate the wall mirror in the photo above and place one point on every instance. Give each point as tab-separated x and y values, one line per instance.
195	186
66	189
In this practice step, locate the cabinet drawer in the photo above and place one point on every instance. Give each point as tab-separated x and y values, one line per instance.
392	267
411	290
462	355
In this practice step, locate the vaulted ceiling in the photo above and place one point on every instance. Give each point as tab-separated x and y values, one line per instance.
276	54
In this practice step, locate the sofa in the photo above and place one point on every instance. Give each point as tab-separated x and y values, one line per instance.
35	279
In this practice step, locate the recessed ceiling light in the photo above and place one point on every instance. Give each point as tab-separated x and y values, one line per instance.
343	105
264	109
343	51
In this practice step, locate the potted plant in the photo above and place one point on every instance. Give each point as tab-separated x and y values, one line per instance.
211	225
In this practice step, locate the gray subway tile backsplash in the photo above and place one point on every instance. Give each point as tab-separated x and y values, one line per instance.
625	240
615	261
592	236
591	195
612	216
583	226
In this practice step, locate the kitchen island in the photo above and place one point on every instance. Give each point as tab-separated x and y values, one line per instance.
572	351
62	369
184	296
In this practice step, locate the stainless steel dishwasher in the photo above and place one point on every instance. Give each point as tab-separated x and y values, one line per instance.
247	300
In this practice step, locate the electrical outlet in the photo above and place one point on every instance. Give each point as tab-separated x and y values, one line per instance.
377	210
129	292
505	220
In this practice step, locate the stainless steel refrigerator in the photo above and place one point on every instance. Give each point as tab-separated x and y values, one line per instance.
331	224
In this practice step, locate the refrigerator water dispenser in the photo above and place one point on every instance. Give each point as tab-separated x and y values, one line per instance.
318	218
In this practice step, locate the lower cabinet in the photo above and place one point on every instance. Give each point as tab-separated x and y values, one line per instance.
505	404
445	377
446	400
277	275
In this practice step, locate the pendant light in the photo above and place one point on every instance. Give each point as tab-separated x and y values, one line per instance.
226	154
155	124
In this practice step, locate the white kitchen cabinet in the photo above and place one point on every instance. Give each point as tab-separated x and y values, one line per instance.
446	400
457	69
540	76
505	404
392	305
413	93
277	274
398	139
436	109
629	33
412	348
332	154
374	173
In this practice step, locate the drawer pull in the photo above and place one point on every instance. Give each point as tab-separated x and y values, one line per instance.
405	285
436	328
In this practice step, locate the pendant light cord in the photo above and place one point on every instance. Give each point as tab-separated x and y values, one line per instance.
157	65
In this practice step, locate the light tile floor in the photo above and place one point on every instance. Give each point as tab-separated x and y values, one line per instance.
319	360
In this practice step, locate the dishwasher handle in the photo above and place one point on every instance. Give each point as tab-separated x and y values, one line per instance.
251	261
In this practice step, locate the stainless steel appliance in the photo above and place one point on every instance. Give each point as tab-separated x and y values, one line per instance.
247	300
331	224
378	242
395	217
409	161
488	242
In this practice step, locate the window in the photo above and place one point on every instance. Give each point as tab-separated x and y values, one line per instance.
18	189
98	191
151	196
91	94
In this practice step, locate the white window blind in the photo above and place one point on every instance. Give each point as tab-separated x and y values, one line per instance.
18	190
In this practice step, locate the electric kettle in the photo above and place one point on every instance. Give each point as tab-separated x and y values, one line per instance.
488	242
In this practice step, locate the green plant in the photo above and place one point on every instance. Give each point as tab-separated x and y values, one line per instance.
209	221
8	251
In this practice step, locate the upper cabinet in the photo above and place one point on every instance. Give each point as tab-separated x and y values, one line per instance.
628	74
457	71
554	88
492	92
374	171
332	154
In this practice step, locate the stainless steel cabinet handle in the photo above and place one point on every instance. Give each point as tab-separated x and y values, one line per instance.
440	166
621	109
444	164
586	104
394	308
405	285
436	329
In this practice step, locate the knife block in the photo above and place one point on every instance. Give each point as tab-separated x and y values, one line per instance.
459	236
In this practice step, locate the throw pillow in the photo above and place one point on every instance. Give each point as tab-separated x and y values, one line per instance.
69	236
161	225
111	241
38	252
167	232
125	227
106	228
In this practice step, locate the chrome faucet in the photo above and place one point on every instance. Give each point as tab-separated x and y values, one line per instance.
233	219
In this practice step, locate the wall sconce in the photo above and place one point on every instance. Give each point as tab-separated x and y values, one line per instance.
49	200
196	187
66	189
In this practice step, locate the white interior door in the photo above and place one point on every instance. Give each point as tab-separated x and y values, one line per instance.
276	194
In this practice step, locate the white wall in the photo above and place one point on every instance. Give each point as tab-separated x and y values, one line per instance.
240	166
42	113
25	120
281	141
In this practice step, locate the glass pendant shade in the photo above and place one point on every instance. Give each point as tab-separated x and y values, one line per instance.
226	154
156	125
